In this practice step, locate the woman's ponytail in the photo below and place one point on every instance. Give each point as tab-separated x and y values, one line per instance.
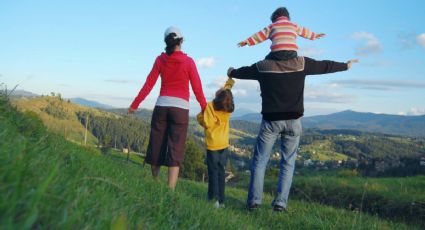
171	43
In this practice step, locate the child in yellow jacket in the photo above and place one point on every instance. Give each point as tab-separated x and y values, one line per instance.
215	120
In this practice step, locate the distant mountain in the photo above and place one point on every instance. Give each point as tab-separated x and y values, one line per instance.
144	114
252	117
369	122
241	112
89	103
366	122
22	93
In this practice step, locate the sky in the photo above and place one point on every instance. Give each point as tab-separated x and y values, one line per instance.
103	50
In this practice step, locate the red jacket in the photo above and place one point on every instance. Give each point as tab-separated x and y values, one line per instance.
176	71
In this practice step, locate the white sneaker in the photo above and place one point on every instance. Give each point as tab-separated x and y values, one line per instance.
216	205
222	206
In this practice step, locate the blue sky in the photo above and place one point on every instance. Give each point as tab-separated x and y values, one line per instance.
103	50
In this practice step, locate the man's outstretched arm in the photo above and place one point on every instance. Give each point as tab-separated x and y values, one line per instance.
246	72
313	67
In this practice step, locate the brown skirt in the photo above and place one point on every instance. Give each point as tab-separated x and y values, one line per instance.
168	136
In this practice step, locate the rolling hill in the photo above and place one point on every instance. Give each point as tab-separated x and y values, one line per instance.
60	116
369	122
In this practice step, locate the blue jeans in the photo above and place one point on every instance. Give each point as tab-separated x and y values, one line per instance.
216	162
289	131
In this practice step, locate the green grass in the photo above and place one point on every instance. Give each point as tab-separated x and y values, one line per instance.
50	183
123	156
401	199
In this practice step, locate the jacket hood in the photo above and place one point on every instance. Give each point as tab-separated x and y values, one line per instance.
176	57
284	66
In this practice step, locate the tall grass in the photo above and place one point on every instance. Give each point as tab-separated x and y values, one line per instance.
47	182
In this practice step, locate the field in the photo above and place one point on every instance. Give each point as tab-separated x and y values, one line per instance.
322	151
401	199
49	182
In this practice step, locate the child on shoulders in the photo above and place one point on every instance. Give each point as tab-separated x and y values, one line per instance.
283	33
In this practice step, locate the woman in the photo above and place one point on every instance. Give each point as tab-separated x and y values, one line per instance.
170	117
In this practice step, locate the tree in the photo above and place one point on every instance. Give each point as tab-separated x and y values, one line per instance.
193	165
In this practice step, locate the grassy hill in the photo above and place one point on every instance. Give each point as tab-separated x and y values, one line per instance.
49	182
60	116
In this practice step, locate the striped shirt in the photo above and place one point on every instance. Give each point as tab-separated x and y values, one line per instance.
282	33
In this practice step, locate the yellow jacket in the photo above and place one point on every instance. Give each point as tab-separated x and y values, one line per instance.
216	124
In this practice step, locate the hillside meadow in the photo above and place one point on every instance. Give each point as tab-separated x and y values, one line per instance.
392	198
48	182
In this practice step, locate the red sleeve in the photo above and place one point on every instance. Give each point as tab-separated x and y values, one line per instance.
260	36
195	82
305	32
149	84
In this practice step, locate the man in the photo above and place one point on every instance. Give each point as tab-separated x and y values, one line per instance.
282	93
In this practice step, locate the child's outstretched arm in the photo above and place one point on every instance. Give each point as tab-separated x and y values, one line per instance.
229	83
306	33
258	37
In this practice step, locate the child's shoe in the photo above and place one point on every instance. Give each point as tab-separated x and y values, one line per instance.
216	204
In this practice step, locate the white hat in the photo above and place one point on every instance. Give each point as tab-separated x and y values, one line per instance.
173	29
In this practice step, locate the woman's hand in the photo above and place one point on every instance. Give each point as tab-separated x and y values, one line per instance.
131	110
350	62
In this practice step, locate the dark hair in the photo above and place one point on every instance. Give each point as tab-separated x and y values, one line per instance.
223	101
171	43
279	12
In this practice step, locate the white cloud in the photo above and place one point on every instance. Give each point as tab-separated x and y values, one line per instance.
421	39
385	85
416	111
311	51
206	62
326	94
412	112
246	92
370	43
